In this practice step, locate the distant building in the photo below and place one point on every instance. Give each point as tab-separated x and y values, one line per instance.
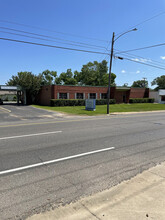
120	94
159	96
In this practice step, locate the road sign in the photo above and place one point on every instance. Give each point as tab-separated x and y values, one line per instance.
90	104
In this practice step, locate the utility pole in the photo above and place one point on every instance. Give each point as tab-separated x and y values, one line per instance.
110	66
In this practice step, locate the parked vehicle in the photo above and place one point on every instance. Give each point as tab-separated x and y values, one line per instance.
1	102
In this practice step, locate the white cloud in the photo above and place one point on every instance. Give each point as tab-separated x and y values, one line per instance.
123	71
162	57
140	60
138	71
144	60
135	59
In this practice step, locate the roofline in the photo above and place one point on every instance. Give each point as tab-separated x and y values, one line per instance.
82	85
18	88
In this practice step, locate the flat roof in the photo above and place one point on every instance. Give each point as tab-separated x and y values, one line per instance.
10	88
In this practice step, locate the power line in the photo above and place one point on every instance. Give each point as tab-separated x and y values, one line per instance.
52	46
106	49
51	37
144	59
144	21
149	19
39	38
142	48
124	58
45	29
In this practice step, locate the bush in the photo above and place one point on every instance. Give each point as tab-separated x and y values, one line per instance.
6	98
104	101
67	102
77	102
141	100
14	98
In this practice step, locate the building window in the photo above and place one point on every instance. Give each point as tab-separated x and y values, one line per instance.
163	98
92	95
62	95
103	95
79	96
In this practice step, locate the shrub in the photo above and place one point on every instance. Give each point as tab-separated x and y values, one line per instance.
6	98
104	101
77	102
141	100
14	98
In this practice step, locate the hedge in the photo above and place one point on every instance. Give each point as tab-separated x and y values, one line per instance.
104	101
141	100
77	102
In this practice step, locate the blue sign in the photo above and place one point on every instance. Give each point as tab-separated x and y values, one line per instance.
90	104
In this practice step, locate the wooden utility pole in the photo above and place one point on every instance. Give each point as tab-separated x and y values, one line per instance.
110	66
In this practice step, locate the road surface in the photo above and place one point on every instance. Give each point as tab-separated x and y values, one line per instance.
51	161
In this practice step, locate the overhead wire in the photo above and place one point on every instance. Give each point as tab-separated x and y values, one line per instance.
39	38
52	46
144	59
124	58
50	37
50	30
144	21
142	48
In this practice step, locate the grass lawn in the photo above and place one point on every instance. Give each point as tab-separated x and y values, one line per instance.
102	109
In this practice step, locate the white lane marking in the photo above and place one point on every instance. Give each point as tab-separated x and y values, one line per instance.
55	161
30	135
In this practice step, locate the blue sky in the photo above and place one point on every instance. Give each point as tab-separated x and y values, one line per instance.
81	21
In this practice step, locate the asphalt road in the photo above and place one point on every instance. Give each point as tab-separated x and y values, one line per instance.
16	113
45	163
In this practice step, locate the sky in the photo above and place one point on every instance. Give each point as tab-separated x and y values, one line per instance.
89	24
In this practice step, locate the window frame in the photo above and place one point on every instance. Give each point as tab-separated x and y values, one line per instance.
63	95
81	95
92	95
104	94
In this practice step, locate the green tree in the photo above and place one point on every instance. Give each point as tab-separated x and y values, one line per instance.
160	82
28	81
140	84
66	78
125	85
94	74
48	77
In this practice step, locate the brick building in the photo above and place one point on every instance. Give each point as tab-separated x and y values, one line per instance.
120	94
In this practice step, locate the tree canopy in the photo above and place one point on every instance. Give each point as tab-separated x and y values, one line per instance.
48	77
140	84
92	74
66	78
28	81
160	82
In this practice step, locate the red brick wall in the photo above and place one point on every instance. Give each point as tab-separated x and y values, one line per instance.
50	92
80	89
139	93
45	95
119	96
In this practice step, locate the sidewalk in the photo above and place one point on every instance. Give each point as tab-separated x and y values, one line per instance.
142	197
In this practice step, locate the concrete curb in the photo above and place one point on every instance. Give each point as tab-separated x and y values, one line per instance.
142	197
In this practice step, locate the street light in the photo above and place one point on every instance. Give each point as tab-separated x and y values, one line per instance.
110	65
